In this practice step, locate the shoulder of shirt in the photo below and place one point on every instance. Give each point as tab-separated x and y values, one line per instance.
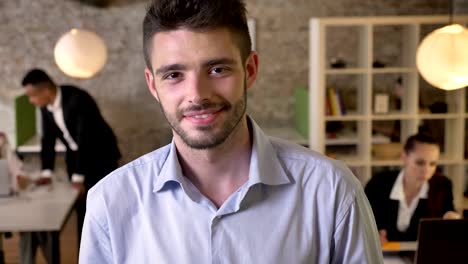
320	166
130	171
320	176
291	152
131	174
120	189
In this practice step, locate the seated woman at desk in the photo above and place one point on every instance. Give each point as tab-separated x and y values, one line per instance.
19	179
399	199
14	165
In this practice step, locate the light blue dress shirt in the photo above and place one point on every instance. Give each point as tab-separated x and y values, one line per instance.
296	207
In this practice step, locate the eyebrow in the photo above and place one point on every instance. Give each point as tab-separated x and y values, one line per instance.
170	67
181	67
219	61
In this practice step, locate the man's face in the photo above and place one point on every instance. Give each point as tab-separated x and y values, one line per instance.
200	81
39	95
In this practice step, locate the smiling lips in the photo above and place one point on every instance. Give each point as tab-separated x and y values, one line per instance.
204	117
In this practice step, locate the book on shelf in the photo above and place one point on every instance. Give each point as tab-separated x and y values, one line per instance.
339	99
334	103
327	106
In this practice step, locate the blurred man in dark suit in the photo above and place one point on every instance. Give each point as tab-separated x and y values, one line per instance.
71	115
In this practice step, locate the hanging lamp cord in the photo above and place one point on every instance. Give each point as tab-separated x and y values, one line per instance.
451	10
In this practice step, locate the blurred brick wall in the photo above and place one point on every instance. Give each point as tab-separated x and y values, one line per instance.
29	30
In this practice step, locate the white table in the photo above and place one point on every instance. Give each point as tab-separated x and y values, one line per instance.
33	145
44	208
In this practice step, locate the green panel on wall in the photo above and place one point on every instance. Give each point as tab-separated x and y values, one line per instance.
25	117
301	111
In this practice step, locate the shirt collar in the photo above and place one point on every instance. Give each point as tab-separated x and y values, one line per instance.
170	171
57	103
398	194
265	167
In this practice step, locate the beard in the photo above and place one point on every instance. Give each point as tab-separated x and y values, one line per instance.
211	137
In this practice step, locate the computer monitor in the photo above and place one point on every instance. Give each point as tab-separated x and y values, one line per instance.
442	241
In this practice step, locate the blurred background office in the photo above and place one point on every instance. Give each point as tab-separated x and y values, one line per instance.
30	29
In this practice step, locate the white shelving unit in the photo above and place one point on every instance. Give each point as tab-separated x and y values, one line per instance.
365	80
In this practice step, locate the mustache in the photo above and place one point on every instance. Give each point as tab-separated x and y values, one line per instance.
206	105
203	106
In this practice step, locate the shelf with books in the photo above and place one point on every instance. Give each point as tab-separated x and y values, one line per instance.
343	94
379	64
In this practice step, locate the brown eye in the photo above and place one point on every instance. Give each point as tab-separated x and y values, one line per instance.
172	75
217	70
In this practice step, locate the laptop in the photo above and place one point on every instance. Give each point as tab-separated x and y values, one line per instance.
5	179
442	241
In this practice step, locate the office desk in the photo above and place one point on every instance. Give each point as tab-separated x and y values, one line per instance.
33	145
400	246
399	252
44	208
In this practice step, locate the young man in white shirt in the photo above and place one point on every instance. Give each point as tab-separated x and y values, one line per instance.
222	191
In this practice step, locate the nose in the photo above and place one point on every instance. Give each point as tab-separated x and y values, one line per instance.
198	89
426	170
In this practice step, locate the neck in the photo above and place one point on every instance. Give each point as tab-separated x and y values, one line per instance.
52	94
411	188
220	171
410	184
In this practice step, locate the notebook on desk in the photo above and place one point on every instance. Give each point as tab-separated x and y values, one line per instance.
442	241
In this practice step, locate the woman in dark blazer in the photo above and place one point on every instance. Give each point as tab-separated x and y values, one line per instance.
399	199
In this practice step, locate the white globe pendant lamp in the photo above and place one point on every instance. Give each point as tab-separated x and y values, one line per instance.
442	57
80	53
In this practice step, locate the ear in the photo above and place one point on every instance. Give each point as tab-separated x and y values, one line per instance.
150	82
251	66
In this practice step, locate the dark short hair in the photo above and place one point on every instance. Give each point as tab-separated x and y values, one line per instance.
196	15
419	138
36	76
